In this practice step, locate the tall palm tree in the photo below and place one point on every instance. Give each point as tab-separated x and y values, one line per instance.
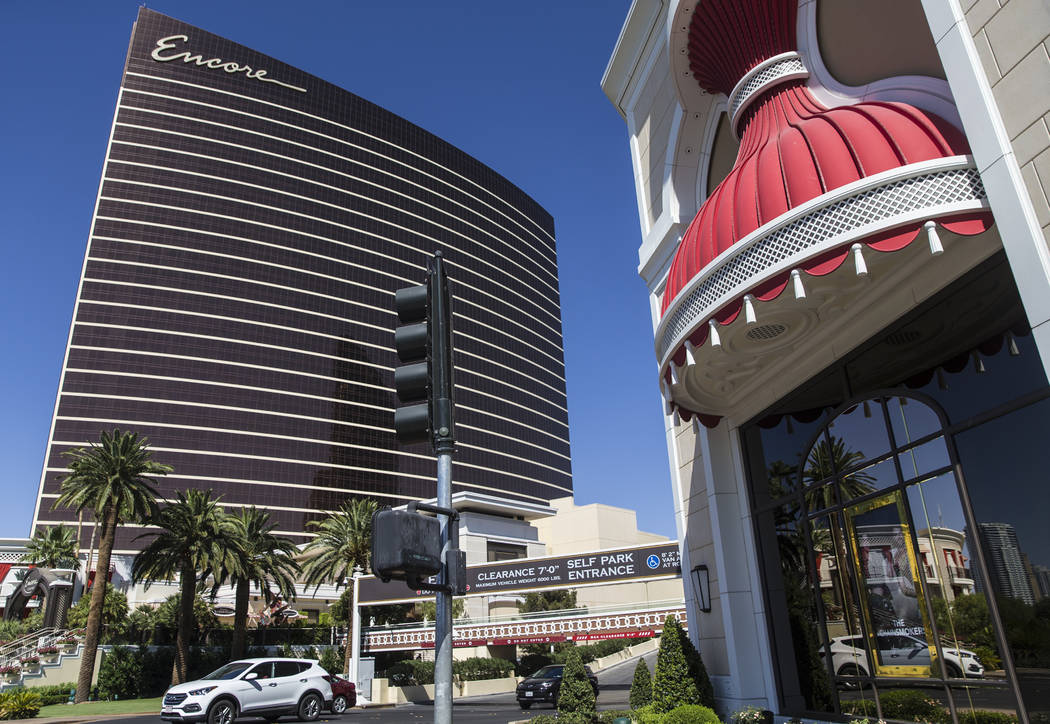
111	479
53	547
197	539
343	543
263	559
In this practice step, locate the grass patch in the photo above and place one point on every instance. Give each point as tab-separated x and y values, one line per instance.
90	708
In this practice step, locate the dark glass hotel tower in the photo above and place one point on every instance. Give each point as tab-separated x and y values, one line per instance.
252	225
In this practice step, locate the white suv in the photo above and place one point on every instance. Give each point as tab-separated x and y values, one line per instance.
848	658
266	688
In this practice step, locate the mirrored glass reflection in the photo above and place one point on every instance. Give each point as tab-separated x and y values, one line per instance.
911	420
925	458
863	428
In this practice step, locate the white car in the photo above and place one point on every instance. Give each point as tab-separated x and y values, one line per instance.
848	658
267	688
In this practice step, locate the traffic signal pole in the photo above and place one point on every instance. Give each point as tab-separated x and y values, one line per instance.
443	604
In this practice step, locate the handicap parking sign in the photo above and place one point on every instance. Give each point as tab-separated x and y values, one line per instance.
653	561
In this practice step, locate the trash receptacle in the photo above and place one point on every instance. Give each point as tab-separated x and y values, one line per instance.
621	720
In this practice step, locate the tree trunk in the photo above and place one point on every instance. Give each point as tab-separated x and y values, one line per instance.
98	598
240	619
187	594
349	648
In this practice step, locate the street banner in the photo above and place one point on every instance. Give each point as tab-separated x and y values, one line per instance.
537	574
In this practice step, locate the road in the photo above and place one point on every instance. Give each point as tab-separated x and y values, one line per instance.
614	686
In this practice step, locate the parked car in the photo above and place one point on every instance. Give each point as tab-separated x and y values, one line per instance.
545	684
344	693
267	688
848	657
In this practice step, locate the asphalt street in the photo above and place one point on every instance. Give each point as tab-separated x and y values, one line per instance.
614	686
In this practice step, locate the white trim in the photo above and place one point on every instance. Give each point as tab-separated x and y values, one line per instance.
328	121
1019	229
666	347
76	306
923	92
739	100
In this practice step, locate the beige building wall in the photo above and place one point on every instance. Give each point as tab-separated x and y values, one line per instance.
1012	38
583	528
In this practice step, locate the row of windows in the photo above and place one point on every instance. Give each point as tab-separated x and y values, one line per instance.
374	151
343	202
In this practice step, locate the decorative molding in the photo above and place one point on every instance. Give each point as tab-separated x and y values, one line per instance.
379	639
873	204
768	73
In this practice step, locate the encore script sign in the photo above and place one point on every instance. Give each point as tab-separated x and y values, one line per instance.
229	66
534	574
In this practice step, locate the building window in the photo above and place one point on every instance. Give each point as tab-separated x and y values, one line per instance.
892	499
504	551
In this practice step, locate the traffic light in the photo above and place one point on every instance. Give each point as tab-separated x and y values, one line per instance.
423	342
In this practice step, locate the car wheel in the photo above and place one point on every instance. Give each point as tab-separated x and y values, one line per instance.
309	707
953	670
524	704
223	711
338	704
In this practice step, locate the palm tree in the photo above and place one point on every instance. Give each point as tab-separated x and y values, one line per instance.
112	480
262	559
53	547
343	543
197	540
831	456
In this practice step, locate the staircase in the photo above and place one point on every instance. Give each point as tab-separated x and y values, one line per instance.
26	646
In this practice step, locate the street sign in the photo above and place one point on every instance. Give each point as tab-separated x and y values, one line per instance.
537	574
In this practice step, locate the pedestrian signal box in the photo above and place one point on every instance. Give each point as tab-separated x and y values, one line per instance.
405	545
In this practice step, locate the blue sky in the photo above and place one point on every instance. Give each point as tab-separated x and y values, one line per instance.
514	84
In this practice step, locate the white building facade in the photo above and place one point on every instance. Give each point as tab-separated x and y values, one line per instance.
844	222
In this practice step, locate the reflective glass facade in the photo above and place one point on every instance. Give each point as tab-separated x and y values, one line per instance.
236	306
898	502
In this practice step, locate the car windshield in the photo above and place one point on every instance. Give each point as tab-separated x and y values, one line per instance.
229	671
548	672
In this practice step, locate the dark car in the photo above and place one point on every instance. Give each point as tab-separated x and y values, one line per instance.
544	685
344	694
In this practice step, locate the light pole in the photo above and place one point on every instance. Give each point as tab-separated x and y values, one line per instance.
355	631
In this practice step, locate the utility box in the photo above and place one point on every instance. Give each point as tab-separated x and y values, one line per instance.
405	546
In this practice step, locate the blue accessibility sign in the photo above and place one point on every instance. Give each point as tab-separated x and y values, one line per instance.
653	561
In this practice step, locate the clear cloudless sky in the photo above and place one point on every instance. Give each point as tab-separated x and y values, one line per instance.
515	84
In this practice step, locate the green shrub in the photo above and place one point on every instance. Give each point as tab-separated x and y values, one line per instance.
607	717
641	686
859	707
118	674
575	697
155	674
53	693
691	714
983	716
332	660
912	705
988	656
672	684
647	715
481	668
546	719
19	704
529	664
411	672
698	673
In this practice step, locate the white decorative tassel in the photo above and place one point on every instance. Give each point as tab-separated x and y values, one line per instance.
716	341
796	283
1011	344
676	418
665	390
858	260
690	357
936	248
749	309
696	425
674	372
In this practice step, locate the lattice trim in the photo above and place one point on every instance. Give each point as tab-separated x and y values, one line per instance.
767	73
939	192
